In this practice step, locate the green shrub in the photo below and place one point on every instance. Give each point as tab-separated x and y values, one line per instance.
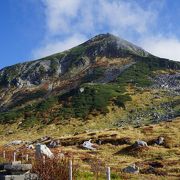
9	117
95	97
95	74
53	66
26	97
46	104
30	122
137	74
121	99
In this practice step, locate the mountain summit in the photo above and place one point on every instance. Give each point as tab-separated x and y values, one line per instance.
110	41
83	80
36	72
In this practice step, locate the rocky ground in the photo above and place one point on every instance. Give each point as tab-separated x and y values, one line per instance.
116	148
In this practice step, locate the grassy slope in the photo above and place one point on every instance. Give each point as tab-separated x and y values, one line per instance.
113	156
142	100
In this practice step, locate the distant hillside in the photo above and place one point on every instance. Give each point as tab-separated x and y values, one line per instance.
103	77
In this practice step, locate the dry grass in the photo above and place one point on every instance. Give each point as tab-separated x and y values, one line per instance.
116	150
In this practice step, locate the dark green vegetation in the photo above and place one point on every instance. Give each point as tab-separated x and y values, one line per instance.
21	99
137	74
94	74
140	74
176	107
95	97
9	117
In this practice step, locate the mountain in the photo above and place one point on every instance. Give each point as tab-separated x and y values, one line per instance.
105	75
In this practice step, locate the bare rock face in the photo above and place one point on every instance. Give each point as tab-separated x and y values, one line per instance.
168	81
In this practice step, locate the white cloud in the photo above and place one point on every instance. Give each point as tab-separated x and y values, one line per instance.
58	46
59	13
67	18
163	47
123	15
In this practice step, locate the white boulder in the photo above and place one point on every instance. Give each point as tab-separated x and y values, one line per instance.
89	145
140	143
42	150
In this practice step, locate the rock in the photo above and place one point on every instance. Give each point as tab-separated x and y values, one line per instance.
18	167
27	176
42	150
132	169
54	143
160	140
19	82
81	90
2	165
16	162
31	146
15	143
140	143
89	145
45	138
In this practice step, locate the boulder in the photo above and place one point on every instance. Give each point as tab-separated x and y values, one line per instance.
89	145
132	169
160	140
43	150
17	167
140	143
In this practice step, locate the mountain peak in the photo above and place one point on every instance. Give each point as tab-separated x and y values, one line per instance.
110	41
102	36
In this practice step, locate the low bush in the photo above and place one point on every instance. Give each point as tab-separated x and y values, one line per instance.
9	117
137	74
56	169
94	97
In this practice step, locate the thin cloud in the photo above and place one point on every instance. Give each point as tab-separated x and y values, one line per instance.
72	15
58	46
163	47
70	22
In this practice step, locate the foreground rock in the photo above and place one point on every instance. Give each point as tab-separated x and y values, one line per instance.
43	150
17	168
28	176
17	171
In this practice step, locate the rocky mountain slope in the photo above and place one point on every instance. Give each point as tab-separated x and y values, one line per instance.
102	77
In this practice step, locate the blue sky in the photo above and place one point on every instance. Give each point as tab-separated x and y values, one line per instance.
31	29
